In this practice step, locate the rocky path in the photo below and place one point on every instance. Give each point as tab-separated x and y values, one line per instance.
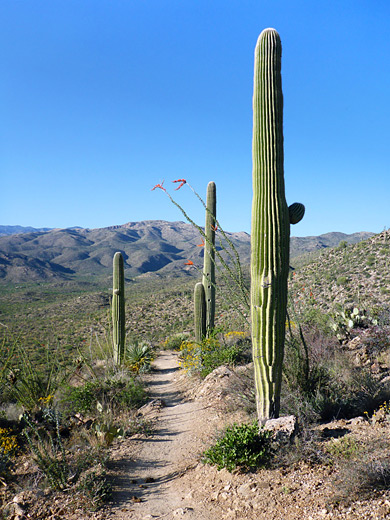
145	483
159	476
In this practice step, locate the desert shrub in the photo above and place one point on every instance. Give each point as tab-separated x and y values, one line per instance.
205	357
307	446
32	383
7	348
342	280
6	466
96	488
377	340
345	448
314	318
241	446
342	245
221	355
49	454
112	393
359	478
321	382
174	342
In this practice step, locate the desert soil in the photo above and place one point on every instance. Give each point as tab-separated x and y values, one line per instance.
160	476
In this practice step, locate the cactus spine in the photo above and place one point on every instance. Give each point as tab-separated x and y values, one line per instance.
208	279
118	308
270	227
199	312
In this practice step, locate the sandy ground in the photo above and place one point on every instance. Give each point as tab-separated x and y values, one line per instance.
146	483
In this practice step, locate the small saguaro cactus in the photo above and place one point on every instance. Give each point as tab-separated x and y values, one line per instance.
271	220
208	279
199	312
118	308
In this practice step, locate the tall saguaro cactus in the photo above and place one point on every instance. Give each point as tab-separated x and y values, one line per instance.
208	279
118	308
199	312
271	219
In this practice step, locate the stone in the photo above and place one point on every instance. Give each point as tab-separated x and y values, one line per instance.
284	428
356	421
246	489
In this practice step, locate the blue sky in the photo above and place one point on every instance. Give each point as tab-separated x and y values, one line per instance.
102	99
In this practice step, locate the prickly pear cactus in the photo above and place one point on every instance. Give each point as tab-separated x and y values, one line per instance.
271	219
199	312
118	308
209	256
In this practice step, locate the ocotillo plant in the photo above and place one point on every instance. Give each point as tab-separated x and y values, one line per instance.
227	260
270	227
208	278
118	308
199	312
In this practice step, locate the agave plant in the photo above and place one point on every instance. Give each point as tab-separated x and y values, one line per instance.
139	357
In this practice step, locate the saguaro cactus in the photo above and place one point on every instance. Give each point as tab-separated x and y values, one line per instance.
208	279
199	312
118	308
270	227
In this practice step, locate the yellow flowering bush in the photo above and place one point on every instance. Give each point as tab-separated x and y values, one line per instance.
191	354
381	415
8	442
206	356
236	334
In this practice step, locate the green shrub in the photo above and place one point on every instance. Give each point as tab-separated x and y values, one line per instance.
342	280
321	382
205	357
96	488
114	393
34	384
6	465
49	456
174	342
342	245
345	448
242	446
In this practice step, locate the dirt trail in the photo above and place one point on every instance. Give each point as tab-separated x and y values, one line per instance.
145	483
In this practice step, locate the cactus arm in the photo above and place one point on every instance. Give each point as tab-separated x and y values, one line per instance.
118	309
208	278
199	312
270	227
296	212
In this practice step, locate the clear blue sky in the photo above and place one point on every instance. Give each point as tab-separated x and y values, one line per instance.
102	99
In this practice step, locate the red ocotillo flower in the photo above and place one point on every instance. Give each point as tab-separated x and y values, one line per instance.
190	262
182	181
159	186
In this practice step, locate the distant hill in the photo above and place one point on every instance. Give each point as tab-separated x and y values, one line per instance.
16	230
302	245
348	275
152	247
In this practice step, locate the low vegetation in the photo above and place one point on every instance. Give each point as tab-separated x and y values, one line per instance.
64	401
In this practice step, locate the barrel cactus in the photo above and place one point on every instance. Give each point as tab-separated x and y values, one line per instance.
208	279
271	220
118	308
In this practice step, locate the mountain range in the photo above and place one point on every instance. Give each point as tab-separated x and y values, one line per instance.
149	248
